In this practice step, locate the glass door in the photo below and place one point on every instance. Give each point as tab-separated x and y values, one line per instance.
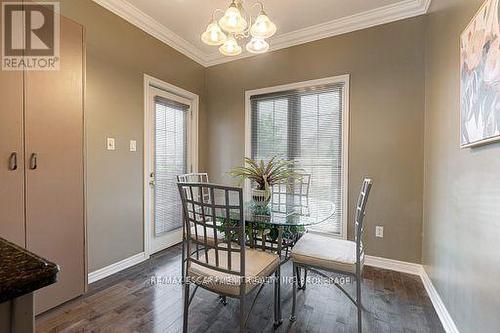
171	116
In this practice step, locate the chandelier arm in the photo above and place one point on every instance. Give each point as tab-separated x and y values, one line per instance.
248	18
215	13
259	3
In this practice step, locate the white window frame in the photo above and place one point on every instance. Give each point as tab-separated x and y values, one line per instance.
345	79
152	82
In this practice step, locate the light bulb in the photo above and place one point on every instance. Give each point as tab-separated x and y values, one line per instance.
257	45
213	35
232	21
263	27
230	47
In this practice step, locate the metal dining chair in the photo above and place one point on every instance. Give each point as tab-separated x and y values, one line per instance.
199	177
294	191
319	252
190	178
227	266
292	195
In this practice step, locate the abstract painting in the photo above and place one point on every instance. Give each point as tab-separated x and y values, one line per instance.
480	77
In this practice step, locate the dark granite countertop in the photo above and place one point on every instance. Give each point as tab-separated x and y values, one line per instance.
22	272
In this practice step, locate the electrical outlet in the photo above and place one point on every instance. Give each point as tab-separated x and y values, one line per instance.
379	231
133	145
110	143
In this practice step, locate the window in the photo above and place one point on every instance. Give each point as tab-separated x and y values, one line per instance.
306	123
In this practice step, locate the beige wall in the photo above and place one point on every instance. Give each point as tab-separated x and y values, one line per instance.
117	56
462	186
386	64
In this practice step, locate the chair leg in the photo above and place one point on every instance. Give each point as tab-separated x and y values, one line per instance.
223	300
294	286
186	307
275	301
296	272
358	301
278	320
302	283
242	314
183	260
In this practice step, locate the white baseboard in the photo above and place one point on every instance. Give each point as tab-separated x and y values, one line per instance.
444	315
117	267
394	265
417	269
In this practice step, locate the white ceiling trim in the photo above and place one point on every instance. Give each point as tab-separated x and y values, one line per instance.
367	19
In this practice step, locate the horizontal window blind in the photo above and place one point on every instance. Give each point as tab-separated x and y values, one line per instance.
306	126
170	161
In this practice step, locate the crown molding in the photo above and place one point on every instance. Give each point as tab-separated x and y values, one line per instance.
149	25
382	15
367	19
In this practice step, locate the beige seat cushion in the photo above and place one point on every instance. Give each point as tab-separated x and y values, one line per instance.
258	265
326	252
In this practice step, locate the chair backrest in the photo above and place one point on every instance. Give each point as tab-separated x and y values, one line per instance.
294	191
360	214
199	177
220	214
196	177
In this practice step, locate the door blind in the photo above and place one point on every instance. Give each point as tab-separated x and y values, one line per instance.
170	161
306	126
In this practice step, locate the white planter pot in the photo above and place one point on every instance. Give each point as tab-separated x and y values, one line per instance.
260	197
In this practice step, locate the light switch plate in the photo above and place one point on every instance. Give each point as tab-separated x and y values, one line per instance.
133	145
379	231
110	143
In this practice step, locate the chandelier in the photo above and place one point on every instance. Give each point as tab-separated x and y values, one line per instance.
237	24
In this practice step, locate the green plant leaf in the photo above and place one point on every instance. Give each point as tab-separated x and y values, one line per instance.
266	174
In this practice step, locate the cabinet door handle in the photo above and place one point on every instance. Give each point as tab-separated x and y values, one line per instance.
33	161
13	161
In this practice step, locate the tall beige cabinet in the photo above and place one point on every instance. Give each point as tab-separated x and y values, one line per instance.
42	165
11	155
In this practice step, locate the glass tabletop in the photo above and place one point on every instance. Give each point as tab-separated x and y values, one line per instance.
290	214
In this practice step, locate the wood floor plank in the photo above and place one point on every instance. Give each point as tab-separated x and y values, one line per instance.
130	302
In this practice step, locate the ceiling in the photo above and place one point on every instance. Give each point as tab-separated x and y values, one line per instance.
179	23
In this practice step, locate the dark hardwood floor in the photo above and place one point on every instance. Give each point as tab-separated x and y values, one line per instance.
129	302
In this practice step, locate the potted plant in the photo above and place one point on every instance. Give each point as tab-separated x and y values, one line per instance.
265	175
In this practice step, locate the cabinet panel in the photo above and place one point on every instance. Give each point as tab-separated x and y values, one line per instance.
54	176
11	141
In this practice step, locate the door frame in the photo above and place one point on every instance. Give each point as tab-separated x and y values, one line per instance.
168	88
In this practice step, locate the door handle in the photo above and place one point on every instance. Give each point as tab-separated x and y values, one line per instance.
33	161
152	179
13	161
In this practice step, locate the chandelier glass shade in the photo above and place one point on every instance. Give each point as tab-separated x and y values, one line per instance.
263	27
213	35
230	47
257	45
232	21
237	24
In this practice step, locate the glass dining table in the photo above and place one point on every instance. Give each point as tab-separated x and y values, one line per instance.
283	221
277	226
